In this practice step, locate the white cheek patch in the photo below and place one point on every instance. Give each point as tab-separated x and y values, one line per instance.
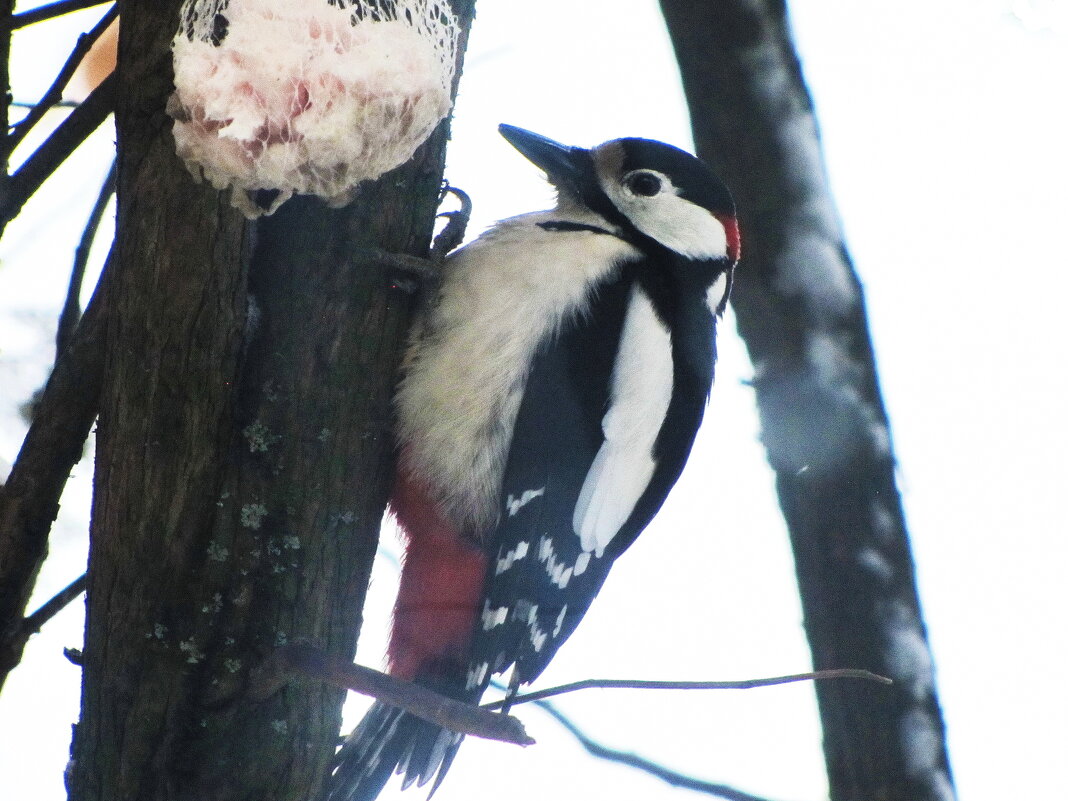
642	383
673	221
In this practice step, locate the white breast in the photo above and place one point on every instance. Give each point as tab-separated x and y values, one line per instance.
465	376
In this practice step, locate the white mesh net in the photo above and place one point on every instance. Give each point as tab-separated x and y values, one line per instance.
309	96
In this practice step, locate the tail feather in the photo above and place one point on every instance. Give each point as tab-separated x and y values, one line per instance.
387	741
438	605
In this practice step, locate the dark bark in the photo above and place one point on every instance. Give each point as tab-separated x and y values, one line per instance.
800	311
7	8
242	458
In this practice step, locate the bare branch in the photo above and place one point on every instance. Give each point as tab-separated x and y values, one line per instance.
53	606
55	91
64	140
416	699
51	11
72	312
639	684
29	501
60	104
674	778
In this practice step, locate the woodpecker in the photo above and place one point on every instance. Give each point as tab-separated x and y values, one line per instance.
548	403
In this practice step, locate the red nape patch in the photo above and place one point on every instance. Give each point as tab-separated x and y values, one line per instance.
440	587
734	239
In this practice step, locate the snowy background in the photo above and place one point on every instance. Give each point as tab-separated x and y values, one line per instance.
944	126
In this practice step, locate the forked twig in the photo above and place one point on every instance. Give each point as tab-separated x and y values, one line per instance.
672	777
638	684
69	134
55	91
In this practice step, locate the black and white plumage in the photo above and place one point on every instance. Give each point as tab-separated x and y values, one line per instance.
549	402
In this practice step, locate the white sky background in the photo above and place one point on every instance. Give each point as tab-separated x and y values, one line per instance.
944	126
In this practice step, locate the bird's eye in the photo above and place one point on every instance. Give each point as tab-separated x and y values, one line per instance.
643	183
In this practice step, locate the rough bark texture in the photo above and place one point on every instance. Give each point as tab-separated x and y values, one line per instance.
800	311
242	459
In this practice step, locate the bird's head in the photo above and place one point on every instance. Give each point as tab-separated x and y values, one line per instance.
657	190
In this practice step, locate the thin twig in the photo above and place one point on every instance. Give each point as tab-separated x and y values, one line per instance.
72	307
70	133
674	778
55	91
60	104
638	684
416	699
51	11
53	606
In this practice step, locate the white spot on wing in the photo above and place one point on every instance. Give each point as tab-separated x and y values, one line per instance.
515	504
491	618
559	573
514	555
641	392
559	621
545	549
582	563
537	636
476	675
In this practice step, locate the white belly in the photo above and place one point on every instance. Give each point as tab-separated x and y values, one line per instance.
466	371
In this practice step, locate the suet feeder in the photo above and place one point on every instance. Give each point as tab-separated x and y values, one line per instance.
276	97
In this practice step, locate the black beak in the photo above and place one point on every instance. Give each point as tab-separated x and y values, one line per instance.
564	166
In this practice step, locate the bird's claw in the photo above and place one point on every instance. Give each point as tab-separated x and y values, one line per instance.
450	237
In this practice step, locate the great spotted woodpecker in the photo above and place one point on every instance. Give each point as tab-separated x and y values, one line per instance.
548	403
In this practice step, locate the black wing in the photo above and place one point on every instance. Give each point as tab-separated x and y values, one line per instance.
540	581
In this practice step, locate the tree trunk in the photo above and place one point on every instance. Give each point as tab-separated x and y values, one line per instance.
242	458
800	311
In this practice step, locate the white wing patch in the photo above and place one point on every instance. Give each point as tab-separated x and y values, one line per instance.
513	556
715	293
515	504
641	392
